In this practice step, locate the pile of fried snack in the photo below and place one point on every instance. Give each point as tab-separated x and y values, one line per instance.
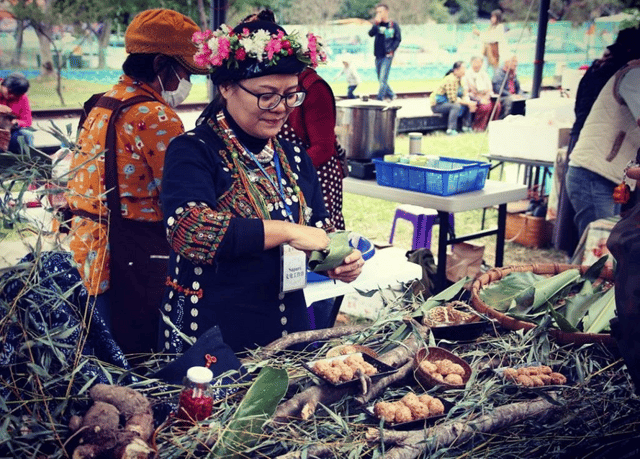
411	407
448	315
534	376
343	370
444	370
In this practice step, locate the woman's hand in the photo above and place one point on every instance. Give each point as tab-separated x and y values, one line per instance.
350	269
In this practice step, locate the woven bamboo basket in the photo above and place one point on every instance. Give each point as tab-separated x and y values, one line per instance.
496	274
432	354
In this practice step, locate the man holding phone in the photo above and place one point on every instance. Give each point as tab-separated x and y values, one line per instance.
386	41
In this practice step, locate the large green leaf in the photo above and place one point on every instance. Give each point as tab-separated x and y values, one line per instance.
499	295
596	320
535	297
577	306
258	405
595	269
561	321
444	296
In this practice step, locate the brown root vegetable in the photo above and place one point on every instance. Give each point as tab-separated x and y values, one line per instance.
100	433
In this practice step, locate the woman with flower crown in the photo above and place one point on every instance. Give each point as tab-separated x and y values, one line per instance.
240	206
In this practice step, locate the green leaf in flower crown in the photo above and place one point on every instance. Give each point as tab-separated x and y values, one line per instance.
499	295
597	318
258	405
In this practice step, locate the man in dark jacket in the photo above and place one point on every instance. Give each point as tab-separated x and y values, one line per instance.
387	39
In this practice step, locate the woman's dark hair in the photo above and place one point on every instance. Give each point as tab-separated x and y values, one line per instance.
140	66
456	66
264	15
217	103
16	83
498	14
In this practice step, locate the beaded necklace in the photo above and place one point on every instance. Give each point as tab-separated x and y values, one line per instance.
239	170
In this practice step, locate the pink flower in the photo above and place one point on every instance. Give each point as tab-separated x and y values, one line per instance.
224	48
241	54
273	46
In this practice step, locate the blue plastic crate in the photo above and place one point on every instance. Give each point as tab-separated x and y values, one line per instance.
448	176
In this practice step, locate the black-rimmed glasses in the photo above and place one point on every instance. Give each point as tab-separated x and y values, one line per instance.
270	100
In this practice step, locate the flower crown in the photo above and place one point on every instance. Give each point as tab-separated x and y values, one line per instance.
226	48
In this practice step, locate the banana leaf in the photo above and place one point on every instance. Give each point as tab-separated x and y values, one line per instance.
499	295
536	296
577	306
595	269
597	318
258	405
561	321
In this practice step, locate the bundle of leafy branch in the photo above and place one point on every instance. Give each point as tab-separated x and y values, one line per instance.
284	411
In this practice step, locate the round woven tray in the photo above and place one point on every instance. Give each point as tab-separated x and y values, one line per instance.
432	354
496	274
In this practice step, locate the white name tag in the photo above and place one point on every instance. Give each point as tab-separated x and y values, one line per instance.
294	269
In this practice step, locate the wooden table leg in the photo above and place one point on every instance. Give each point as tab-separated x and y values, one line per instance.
443	241
502	225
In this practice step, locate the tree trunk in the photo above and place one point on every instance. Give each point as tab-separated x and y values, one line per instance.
16	57
43	32
103	43
203	15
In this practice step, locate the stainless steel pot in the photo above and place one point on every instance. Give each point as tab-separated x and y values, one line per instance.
366	129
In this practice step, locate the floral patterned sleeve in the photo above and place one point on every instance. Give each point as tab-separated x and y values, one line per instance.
195	228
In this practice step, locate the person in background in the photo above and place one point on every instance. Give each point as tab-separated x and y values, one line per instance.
609	139
616	55
478	85
118	239
242	207
506	84
451	99
493	39
387	38
351	74
13	94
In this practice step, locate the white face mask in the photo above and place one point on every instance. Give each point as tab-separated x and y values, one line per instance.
177	96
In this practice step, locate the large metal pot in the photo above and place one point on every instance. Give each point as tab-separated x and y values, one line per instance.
366	129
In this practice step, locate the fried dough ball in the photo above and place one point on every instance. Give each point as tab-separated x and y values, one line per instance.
524	371
558	378
332	374
435	407
356	362
403	413
545	370
546	379
386	411
428	367
454	379
425	398
418	410
438	377
456	369
369	369
346	372
443	366
410	397
525	380
321	367
537	382
510	374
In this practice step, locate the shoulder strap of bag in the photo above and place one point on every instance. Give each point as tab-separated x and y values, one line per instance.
111	166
